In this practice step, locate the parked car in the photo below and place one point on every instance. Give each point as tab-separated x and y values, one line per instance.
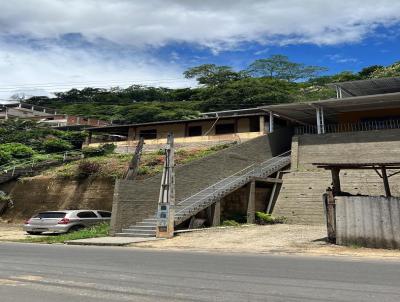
64	221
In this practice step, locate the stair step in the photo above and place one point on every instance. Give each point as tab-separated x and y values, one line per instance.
143	227
134	235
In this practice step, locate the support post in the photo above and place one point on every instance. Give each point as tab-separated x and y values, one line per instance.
330	212
336	181
386	182
322	117
318	120
214	214
271	122
251	205
166	201
262	124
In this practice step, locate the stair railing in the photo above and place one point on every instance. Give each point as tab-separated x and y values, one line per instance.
273	164
212	187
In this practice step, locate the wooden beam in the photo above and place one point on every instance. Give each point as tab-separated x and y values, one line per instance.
336	181
386	182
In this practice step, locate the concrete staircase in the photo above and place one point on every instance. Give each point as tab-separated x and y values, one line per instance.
187	208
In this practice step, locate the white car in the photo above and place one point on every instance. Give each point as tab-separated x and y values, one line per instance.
64	221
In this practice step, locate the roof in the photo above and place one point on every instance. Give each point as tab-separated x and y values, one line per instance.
305	112
367	87
371	165
206	118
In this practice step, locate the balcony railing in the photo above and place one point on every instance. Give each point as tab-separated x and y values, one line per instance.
350	127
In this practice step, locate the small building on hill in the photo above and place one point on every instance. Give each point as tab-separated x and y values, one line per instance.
209	129
47	116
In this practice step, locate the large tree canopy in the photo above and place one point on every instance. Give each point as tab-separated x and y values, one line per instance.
213	75
279	67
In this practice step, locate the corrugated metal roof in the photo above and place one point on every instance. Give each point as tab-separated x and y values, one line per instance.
368	87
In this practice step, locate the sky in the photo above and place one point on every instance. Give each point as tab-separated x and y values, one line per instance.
54	45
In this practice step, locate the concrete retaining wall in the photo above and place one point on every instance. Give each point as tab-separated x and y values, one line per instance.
136	200
363	146
370	221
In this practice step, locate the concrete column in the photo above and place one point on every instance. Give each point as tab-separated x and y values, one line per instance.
271	122
294	165
318	120
251	205
262	124
322	119
214	214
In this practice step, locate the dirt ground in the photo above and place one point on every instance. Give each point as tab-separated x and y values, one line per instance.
275	239
11	232
272	239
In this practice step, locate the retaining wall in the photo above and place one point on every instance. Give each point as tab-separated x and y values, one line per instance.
32	195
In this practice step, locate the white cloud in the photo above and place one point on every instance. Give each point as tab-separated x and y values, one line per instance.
141	26
55	68
216	24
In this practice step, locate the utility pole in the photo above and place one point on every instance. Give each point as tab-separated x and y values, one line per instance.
166	201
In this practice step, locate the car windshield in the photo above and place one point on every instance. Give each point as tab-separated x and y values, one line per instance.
51	215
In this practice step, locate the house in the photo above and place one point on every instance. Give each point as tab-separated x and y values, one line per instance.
208	129
47	116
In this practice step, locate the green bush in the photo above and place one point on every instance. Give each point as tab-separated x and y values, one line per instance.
98	151
52	145
5	157
264	218
230	223
17	150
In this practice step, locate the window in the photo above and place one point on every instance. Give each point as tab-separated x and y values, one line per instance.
195	131
224	129
88	214
254	124
104	214
51	215
148	134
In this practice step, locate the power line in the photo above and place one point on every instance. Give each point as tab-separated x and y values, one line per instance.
100	84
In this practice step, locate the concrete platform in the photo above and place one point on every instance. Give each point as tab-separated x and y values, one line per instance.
110	241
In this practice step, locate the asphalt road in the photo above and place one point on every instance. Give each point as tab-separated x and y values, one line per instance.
34	273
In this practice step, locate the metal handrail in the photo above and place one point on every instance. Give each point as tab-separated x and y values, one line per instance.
350	127
251	173
213	185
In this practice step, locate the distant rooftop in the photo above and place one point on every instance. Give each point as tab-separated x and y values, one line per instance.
366	87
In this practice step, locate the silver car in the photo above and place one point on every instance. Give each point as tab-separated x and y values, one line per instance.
64	221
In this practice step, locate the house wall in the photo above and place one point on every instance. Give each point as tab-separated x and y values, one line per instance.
179	129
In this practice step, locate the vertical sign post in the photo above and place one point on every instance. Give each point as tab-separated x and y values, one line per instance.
166	201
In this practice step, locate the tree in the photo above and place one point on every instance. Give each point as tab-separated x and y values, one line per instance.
366	72
212	75
279	67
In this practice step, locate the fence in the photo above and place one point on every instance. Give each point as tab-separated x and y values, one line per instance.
350	127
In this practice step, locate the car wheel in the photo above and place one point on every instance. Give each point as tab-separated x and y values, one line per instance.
75	228
33	233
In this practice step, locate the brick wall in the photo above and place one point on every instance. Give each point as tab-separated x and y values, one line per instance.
136	200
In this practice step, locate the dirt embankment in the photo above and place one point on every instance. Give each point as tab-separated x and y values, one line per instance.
41	193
